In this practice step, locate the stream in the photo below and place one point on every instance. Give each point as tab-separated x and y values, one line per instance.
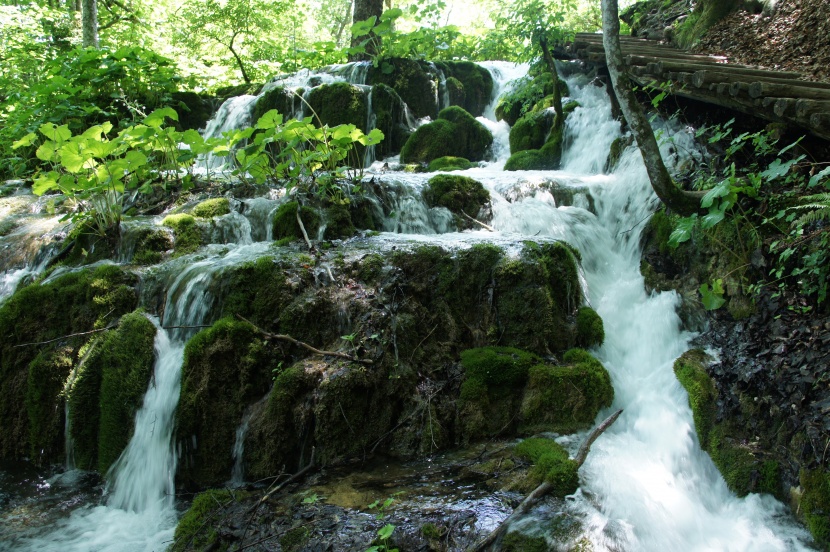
646	486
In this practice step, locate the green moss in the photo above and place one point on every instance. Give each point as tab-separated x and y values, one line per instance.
225	92
449	164
285	221
151	245
460	194
530	132
295	538
411	81
815	504
589	328
340	103
125	360
455	89
690	370
194	110
371	267
187	234
566	398
259	291
455	133
196	529
550	464
476	83
519	542
277	98
338	223
32	377
498	367
431	531
226	368
734	461
390	119
215	207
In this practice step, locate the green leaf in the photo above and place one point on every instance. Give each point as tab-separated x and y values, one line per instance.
135	160
682	231
712	298
45	182
779	168
271	119
156	118
56	133
73	159
816	178
386	531
47	151
27	140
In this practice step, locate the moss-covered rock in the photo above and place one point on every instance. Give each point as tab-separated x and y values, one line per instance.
226	92
411	80
455	133
215	207
590	331
194	110
151	245
32	377
530	131
815	504
449	164
550	464
339	103
476	85
548	157
567	397
515	541
277	98
108	390
226	368
390	119
339	225
187	233
460	194
196	529
744	468
285	221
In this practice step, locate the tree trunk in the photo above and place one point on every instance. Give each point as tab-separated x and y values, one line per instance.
89	23
684	203
239	61
363	10
557	94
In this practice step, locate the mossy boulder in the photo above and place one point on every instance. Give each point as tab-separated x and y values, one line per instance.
530	131
455	133
107	391
548	157
470	85
187	234
226	368
815	504
338	221
460	194
411	80
449	164
390	119
529	94
339	103
226	92
150	246
590	331
196	529
551	464
566	397
744	468
277	98
194	109
32	377
215	207
285	221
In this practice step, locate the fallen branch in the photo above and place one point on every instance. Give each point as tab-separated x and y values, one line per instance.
471	219
65	337
283	337
545	487
291	479
302	228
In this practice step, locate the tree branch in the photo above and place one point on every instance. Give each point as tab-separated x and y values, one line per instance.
545	487
282	337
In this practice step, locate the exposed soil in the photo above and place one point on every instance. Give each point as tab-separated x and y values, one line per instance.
795	38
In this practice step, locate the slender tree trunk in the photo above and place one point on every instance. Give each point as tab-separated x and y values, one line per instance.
89	23
239	61
363	10
684	203
557	94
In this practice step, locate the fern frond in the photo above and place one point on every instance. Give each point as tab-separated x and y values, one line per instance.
813	216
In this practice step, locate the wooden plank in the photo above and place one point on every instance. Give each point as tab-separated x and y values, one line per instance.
707	76
738	88
761	88
805	108
784	107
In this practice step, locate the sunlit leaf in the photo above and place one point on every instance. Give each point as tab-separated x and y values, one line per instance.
156	118
27	140
45	182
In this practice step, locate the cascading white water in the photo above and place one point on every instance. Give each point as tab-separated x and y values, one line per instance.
647	485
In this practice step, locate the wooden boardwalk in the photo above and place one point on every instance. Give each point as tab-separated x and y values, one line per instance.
779	96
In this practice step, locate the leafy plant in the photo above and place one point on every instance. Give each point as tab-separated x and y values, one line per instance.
384	534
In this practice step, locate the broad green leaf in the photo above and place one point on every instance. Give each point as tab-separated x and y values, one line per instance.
712	298
100	149
27	140
682	231
47	151
386	531
271	119
73	159
779	168
135	160
723	188
156	118
192	138
45	182
714	216
816	178
56	133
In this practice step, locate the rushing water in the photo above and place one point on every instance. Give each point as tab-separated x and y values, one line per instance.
646	486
